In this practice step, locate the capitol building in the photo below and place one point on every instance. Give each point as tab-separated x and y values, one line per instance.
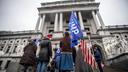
53	20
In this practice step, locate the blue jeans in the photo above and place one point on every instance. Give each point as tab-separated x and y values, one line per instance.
42	66
57	60
66	62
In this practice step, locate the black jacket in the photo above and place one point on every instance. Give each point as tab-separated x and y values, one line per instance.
45	50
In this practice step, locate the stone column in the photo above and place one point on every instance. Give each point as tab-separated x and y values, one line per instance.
56	22
38	23
81	20
61	22
81	23
58	30
42	23
95	19
100	19
45	29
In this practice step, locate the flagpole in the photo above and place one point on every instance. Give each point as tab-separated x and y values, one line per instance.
89	38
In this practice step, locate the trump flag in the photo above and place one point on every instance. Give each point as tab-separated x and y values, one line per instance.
74	28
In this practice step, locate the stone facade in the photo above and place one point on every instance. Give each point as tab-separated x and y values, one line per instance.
12	44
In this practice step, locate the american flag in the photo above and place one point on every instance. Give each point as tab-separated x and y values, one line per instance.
88	57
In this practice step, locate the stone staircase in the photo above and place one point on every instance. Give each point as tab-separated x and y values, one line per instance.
112	69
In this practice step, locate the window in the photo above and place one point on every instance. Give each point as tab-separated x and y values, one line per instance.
18	41
52	23
6	66
8	49
117	36
67	21
4	41
84	20
24	40
1	48
0	64
50	31
66	29
14	51
88	33
10	41
125	36
87	29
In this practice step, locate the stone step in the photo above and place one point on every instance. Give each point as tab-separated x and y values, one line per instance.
112	69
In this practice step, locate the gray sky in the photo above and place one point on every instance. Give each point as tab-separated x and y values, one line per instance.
18	15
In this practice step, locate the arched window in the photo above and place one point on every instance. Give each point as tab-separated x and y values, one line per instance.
126	36
4	41
18	41
1	48
14	51
117	36
51	31
8	48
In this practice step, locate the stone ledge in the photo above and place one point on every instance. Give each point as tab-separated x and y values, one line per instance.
117	59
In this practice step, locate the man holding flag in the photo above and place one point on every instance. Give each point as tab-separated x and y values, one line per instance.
84	58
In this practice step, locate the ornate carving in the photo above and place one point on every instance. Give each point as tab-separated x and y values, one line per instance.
115	46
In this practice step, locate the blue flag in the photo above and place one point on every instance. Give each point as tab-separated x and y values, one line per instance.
75	30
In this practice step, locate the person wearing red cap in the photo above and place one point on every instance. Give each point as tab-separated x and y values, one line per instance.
44	54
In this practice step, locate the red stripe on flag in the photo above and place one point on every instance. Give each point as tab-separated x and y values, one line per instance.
88	57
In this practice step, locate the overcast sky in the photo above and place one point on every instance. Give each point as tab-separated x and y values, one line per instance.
18	15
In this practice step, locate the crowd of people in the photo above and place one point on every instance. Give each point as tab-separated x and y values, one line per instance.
37	56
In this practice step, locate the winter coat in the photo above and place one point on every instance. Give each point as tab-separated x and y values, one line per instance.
97	55
65	44
29	56
45	50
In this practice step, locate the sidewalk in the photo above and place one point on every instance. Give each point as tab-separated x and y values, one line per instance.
111	69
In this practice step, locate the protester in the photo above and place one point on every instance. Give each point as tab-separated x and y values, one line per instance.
44	54
56	59
66	63
98	57
28	60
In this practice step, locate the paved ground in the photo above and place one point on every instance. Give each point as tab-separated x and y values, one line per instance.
111	69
